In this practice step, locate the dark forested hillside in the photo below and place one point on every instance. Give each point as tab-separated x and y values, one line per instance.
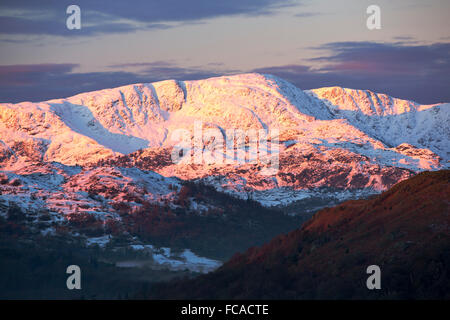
405	231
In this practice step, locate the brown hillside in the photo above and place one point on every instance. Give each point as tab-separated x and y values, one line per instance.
405	231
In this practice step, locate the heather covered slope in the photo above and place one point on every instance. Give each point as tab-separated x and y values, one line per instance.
405	231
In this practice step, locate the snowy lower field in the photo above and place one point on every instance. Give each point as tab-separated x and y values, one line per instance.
160	258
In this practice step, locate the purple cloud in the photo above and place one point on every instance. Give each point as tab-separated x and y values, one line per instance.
102	16
39	82
416	72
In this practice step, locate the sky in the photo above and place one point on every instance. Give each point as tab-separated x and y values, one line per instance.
309	43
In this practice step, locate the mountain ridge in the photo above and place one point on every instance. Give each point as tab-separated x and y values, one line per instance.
324	140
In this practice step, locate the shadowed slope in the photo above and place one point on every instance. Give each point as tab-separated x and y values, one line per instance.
405	231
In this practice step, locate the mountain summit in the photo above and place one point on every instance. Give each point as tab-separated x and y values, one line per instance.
335	138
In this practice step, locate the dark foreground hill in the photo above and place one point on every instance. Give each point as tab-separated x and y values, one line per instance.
405	231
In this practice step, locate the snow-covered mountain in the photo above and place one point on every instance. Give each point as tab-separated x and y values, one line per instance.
340	139
390	120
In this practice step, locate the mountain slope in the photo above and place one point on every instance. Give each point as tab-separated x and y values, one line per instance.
125	119
330	139
405	231
391	120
